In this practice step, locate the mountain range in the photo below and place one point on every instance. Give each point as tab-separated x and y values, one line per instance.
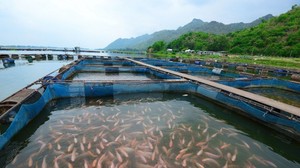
278	36
196	25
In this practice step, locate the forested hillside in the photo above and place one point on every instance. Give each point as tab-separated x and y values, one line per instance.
196	25
200	41
279	36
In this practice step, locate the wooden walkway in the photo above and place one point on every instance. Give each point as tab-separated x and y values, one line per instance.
236	92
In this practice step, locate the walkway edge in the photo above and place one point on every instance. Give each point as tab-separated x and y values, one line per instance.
257	98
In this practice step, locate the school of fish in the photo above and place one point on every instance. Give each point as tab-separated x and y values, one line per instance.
141	134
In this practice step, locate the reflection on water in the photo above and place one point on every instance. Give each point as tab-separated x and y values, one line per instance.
285	96
147	130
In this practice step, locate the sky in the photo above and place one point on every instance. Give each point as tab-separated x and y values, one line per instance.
96	23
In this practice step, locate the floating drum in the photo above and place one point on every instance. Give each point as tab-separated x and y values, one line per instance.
295	77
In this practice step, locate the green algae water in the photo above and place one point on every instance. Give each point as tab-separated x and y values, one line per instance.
146	130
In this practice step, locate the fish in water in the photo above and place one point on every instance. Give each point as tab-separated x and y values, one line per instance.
151	137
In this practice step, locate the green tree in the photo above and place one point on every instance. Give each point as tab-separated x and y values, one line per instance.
158	46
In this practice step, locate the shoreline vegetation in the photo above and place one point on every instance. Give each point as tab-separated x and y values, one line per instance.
270	61
275	43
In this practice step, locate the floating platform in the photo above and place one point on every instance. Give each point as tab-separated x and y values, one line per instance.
167	78
266	103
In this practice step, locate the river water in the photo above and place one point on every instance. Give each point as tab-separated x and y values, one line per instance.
23	73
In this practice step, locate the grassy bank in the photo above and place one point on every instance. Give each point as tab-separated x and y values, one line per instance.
280	62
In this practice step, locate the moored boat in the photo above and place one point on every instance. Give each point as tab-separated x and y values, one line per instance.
8	61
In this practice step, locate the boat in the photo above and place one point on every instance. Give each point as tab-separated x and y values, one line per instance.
8	61
30	58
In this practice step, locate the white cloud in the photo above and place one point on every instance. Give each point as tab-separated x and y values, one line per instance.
96	23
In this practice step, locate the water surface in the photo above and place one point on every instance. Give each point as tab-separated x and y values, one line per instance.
158	129
209	76
23	73
282	95
111	76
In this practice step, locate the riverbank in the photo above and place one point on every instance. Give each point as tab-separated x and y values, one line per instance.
278	62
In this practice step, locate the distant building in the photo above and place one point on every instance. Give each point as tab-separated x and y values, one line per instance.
220	53
189	51
205	52
170	50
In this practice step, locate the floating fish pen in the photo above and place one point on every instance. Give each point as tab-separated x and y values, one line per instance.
252	69
122	112
281	90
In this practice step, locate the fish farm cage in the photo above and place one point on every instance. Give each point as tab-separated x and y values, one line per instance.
99	81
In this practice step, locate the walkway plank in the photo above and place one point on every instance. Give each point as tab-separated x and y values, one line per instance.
254	97
19	96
